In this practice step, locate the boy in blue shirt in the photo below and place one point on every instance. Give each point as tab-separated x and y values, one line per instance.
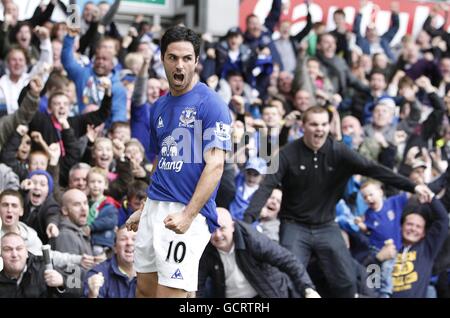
383	225
247	182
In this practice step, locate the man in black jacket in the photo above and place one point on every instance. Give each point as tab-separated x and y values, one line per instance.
314	171
24	275
243	263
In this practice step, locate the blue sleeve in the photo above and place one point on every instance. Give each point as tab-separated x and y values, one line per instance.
75	71
360	40
368	219
357	25
119	102
122	217
392	31
140	126
399	201
275	12
153	140
216	124
438	231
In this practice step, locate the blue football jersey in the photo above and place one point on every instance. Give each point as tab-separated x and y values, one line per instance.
182	129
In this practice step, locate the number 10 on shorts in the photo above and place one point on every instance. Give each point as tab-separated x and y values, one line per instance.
179	252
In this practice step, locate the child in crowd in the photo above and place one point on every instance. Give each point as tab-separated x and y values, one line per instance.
247	183
103	212
383	226
110	156
136	196
140	168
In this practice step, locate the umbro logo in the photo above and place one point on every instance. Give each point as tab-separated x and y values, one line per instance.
177	274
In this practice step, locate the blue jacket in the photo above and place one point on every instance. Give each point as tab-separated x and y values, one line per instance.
117	284
265	39
385	39
102	229
239	204
83	75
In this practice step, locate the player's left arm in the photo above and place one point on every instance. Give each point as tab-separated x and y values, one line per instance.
209	179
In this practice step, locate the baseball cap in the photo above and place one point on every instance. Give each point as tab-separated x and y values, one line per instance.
258	164
387	101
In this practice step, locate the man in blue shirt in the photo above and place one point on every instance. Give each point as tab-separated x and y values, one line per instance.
189	134
116	277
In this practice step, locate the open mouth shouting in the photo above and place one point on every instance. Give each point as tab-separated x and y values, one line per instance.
319	137
23	41
61	114
8	219
272	208
36	197
178	79
82	219
372	205
129	253
23	153
104	161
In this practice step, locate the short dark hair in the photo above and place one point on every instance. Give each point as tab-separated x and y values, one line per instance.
118	124
321	36
339	11
317	110
13	193
379	72
405	81
418	209
232	73
250	16
137	189
180	34
54	95
56	81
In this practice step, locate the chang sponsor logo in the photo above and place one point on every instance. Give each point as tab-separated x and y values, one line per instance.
169	150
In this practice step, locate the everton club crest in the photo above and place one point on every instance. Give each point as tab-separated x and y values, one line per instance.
187	117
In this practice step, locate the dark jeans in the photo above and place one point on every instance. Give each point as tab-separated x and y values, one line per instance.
326	242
